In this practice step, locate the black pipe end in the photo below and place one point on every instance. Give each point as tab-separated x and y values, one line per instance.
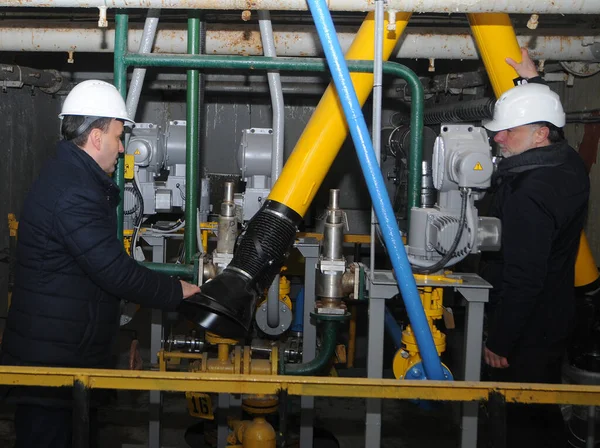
224	306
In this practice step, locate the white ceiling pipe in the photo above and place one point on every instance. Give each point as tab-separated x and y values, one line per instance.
442	6
294	41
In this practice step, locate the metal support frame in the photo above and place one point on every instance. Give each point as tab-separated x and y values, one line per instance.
475	299
158	244
474	290
81	414
309	248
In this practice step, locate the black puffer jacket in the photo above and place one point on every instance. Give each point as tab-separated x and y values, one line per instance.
541	197
72	270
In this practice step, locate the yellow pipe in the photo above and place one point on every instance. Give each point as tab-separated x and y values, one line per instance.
327	129
496	40
586	271
223	352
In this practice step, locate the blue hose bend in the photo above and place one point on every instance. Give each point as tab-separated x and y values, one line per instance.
376	186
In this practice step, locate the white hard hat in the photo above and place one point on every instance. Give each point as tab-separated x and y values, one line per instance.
526	104
94	98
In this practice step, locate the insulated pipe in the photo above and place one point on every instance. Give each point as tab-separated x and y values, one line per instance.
293	40
327	129
266	32
137	81
496	40
420	6
192	144
377	189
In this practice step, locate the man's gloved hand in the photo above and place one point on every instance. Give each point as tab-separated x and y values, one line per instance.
189	289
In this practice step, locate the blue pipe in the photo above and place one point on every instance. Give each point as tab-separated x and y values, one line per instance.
393	329
376	186
298	322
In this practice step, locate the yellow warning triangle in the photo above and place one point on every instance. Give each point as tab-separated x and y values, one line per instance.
137	153
478	167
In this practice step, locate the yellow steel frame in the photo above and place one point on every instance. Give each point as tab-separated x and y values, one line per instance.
298	385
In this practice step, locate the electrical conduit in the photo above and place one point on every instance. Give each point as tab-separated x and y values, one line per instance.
268	42
137	81
376	187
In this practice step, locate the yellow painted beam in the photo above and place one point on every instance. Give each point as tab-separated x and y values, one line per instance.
496	40
300	385
327	129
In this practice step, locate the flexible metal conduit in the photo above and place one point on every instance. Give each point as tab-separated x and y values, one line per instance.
441	6
376	186
274	79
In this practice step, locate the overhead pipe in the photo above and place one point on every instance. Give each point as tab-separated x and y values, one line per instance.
139	74
274	80
48	81
418	6
377	189
292	40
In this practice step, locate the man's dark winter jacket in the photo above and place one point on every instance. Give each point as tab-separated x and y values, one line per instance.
72	270
541	197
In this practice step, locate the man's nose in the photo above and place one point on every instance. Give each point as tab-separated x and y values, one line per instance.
500	137
121	147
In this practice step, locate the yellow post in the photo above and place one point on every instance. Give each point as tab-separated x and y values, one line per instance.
327	129
496	40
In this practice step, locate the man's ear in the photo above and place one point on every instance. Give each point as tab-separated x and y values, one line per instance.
541	134
95	138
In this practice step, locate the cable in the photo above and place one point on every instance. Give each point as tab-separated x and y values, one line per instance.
465	193
137	226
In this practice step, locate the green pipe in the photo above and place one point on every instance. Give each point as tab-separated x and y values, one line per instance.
179	270
321	361
192	143
120	79
311	65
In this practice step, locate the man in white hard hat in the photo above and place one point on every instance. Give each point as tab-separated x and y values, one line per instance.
71	270
541	195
